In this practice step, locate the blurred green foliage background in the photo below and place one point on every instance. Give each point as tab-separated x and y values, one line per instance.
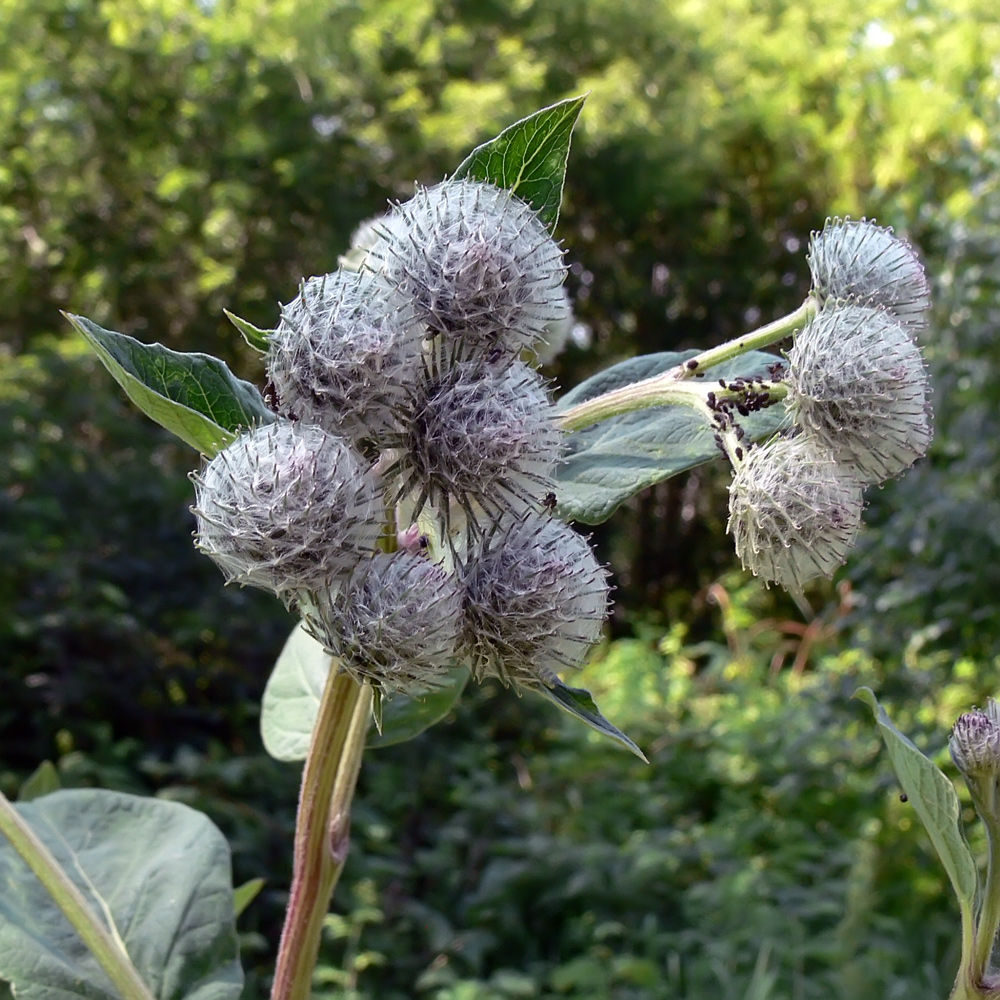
161	160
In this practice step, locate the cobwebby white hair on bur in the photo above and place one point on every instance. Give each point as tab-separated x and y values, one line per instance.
856	259
481	268
287	507
395	622
858	386
794	511
535	600
345	353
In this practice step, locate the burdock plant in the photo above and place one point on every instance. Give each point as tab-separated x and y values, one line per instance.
405	484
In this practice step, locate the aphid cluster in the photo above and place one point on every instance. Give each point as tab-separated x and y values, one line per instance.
857	392
402	501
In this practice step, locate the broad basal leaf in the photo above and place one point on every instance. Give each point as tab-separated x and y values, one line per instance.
157	871
195	396
580	704
294	690
611	461
934	798
529	158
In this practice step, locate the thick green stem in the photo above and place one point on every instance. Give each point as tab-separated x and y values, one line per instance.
321	829
104	943
676	386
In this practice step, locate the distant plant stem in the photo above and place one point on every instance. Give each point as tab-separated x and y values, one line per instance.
322	828
104	942
676	386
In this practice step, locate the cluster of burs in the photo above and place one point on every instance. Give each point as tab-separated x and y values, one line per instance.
857	393
401	501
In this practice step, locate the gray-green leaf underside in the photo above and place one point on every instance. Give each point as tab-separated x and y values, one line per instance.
611	461
581	705
195	396
159	871
529	158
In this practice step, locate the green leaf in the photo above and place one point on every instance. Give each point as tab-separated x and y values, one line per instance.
403	718
195	396
934	798
295	687
292	696
245	894
158	871
253	335
529	158
580	704
43	781
611	461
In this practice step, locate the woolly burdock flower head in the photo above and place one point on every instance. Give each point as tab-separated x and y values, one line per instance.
794	512
286	507
478	263
344	354
853	259
535	600
975	744
394	623
858	386
482	440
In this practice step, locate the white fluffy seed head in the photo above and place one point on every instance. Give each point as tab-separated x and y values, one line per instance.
481	268
345	353
394	623
852	259
858	386
479	440
286	507
535	600
794	512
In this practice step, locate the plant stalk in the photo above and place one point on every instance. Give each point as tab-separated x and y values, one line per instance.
321	828
676	386
103	942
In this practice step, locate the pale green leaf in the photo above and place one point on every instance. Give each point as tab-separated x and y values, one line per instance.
42	781
253	335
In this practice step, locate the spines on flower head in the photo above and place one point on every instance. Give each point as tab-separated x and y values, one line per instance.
286	507
394	623
794	512
481	268
535	600
856	259
345	353
478	439
858	386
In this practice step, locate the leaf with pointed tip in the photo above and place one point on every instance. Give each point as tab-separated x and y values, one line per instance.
194	396
609	462
42	781
253	335
933	797
245	894
529	158
403	718
157	871
581	705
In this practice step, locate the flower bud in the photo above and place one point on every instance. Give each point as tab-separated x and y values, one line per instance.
859	387
535	600
975	745
344	354
394	623
286	507
480	266
793	512
863	261
481	439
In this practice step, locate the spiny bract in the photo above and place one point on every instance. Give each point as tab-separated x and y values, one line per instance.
394	623
858	386
481	268
852	259
286	507
535	600
794	512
